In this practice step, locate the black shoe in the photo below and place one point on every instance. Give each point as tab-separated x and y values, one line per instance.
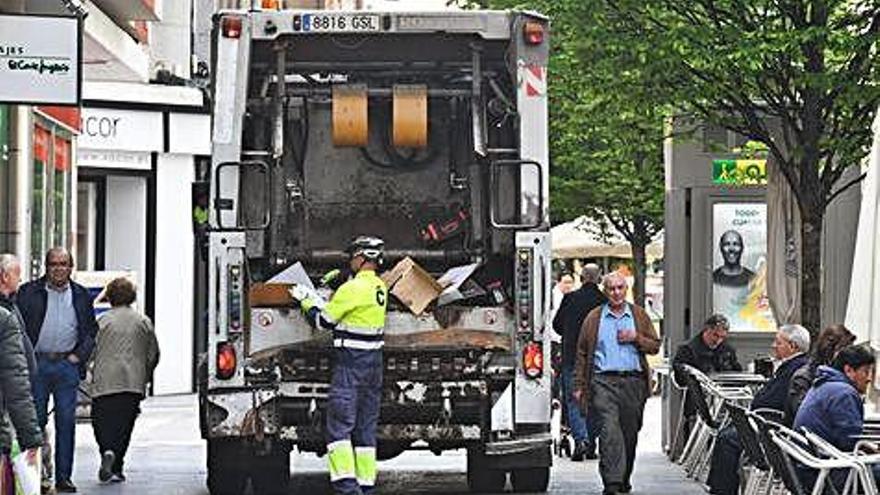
625	488
117	478
105	472
579	451
65	486
590	454
611	490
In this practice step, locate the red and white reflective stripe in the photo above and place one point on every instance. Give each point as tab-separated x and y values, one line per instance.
535	78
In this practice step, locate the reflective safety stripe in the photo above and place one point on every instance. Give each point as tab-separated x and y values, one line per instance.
367	331
358	344
341	460
365	465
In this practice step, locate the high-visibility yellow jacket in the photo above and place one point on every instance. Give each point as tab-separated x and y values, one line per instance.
355	313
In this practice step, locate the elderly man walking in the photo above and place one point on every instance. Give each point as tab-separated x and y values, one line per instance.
14	373
60	323
613	379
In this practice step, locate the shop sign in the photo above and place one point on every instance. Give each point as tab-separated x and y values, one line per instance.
751	172
126	160
126	130
40	59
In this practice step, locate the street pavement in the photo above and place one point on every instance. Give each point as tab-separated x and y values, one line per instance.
168	457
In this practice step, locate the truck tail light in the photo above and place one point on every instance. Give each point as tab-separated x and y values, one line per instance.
231	27
271	4
226	360
533	32
533	360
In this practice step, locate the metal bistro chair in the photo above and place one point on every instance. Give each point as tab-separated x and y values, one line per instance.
862	476
796	447
679	440
781	466
708	400
759	477
705	423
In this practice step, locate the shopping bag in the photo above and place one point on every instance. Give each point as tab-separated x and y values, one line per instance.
27	473
7	482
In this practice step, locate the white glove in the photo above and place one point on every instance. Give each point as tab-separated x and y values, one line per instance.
299	293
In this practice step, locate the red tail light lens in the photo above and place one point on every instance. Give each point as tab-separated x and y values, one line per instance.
533	360
226	360
231	27
533	32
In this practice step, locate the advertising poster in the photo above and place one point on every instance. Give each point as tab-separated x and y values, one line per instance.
739	266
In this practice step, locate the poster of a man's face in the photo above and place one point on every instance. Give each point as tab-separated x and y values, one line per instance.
739	276
732	272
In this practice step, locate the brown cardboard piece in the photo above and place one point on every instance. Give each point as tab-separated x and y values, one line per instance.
412	285
269	295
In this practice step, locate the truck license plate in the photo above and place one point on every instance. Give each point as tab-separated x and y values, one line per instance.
345	23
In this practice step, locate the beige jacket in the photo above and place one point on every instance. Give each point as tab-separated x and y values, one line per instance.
126	353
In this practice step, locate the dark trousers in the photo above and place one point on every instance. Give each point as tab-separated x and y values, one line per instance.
616	408
113	421
724	468
60	379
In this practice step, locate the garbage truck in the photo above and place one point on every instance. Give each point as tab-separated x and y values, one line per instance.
428	130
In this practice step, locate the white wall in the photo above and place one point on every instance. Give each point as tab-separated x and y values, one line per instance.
125	247
170	39
174	274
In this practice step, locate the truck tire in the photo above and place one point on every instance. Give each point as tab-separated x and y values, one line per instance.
481	478
270	474
227	471
530	479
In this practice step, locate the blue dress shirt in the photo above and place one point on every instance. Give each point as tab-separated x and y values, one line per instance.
611	355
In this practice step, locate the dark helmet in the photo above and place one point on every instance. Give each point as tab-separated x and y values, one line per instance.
371	248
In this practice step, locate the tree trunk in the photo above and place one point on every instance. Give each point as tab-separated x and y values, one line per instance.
812	218
640	268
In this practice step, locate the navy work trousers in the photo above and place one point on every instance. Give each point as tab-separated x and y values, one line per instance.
352	415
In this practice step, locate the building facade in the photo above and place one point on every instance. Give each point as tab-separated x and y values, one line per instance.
110	179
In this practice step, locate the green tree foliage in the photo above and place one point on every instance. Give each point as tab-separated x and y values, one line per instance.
606	130
799	76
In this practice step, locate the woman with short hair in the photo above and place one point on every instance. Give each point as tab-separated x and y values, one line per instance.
126	353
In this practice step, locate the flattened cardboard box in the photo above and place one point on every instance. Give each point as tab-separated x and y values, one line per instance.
411	285
269	295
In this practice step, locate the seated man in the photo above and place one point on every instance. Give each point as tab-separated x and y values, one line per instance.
708	351
833	407
789	348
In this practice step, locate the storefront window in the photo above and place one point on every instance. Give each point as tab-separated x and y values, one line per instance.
51	192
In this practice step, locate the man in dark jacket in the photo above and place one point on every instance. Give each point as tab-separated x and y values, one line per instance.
790	346
833	407
707	351
60	323
568	321
14	382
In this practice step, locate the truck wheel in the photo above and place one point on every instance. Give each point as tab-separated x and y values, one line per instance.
482	479
530	479
486	480
270	474
226	468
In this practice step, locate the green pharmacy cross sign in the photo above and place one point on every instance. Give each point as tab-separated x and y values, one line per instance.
751	172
